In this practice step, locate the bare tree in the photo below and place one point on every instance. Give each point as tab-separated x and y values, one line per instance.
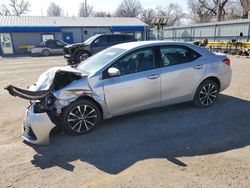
172	13
15	8
220	4
198	12
129	8
246	7
4	11
54	10
102	14
233	10
147	15
217	7
85	10
208	10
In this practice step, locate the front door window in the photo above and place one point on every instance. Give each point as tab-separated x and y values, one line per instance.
6	43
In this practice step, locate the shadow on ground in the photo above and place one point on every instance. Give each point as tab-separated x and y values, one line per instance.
169	132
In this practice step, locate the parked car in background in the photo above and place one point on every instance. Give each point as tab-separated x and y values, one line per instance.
49	47
121	79
75	53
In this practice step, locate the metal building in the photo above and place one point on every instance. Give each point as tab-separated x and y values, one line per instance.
17	32
238	30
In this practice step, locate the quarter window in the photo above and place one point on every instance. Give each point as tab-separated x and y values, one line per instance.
173	55
141	60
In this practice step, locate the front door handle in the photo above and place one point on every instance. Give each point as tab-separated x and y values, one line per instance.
198	66
153	76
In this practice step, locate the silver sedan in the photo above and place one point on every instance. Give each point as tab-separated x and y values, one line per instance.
49	47
122	79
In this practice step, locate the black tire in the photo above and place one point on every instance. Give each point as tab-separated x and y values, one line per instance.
46	52
81	117
81	56
206	94
70	62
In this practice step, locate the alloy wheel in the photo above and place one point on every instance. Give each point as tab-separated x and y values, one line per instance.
82	57
82	119
208	94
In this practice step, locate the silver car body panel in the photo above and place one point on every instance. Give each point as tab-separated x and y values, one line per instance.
132	92
46	79
137	91
41	126
39	50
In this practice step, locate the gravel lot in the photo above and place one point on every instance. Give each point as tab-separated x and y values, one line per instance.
174	146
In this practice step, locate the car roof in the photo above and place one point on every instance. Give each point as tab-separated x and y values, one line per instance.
141	44
118	34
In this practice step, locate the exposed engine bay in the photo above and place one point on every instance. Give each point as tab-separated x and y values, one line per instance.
41	93
51	80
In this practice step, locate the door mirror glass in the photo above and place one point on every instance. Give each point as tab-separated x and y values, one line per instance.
113	72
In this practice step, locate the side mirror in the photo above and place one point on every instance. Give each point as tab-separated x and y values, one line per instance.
113	72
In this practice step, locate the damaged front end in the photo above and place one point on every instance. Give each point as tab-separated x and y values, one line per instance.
45	110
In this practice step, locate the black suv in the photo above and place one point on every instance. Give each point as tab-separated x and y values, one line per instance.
75	53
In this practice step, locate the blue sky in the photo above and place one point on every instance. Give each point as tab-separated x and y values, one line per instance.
71	6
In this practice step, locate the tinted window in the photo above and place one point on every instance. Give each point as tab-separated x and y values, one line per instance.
60	43
102	40
120	38
141	60
172	55
50	43
113	38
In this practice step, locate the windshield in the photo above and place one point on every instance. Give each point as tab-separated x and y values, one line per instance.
99	60
90	40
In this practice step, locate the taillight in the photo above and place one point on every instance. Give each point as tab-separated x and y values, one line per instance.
226	61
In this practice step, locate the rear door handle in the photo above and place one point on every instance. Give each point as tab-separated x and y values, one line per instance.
153	76
198	66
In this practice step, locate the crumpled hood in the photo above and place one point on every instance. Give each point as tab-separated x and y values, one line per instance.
75	45
46	79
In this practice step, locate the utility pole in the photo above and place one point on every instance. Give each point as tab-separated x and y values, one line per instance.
42	12
86	9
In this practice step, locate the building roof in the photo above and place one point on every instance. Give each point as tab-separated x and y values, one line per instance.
239	21
40	21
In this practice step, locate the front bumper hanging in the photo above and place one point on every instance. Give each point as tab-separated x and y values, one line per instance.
37	127
26	94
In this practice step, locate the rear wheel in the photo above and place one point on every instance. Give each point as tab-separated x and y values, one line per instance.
81	117
46	52
206	94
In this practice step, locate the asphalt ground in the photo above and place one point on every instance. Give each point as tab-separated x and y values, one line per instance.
174	146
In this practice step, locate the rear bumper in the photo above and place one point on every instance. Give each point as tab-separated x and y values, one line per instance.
37	127
225	79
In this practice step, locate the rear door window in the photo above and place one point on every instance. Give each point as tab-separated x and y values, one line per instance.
173	55
112	38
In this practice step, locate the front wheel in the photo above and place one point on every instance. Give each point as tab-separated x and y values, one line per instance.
206	94
46	52
81	117
81	56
